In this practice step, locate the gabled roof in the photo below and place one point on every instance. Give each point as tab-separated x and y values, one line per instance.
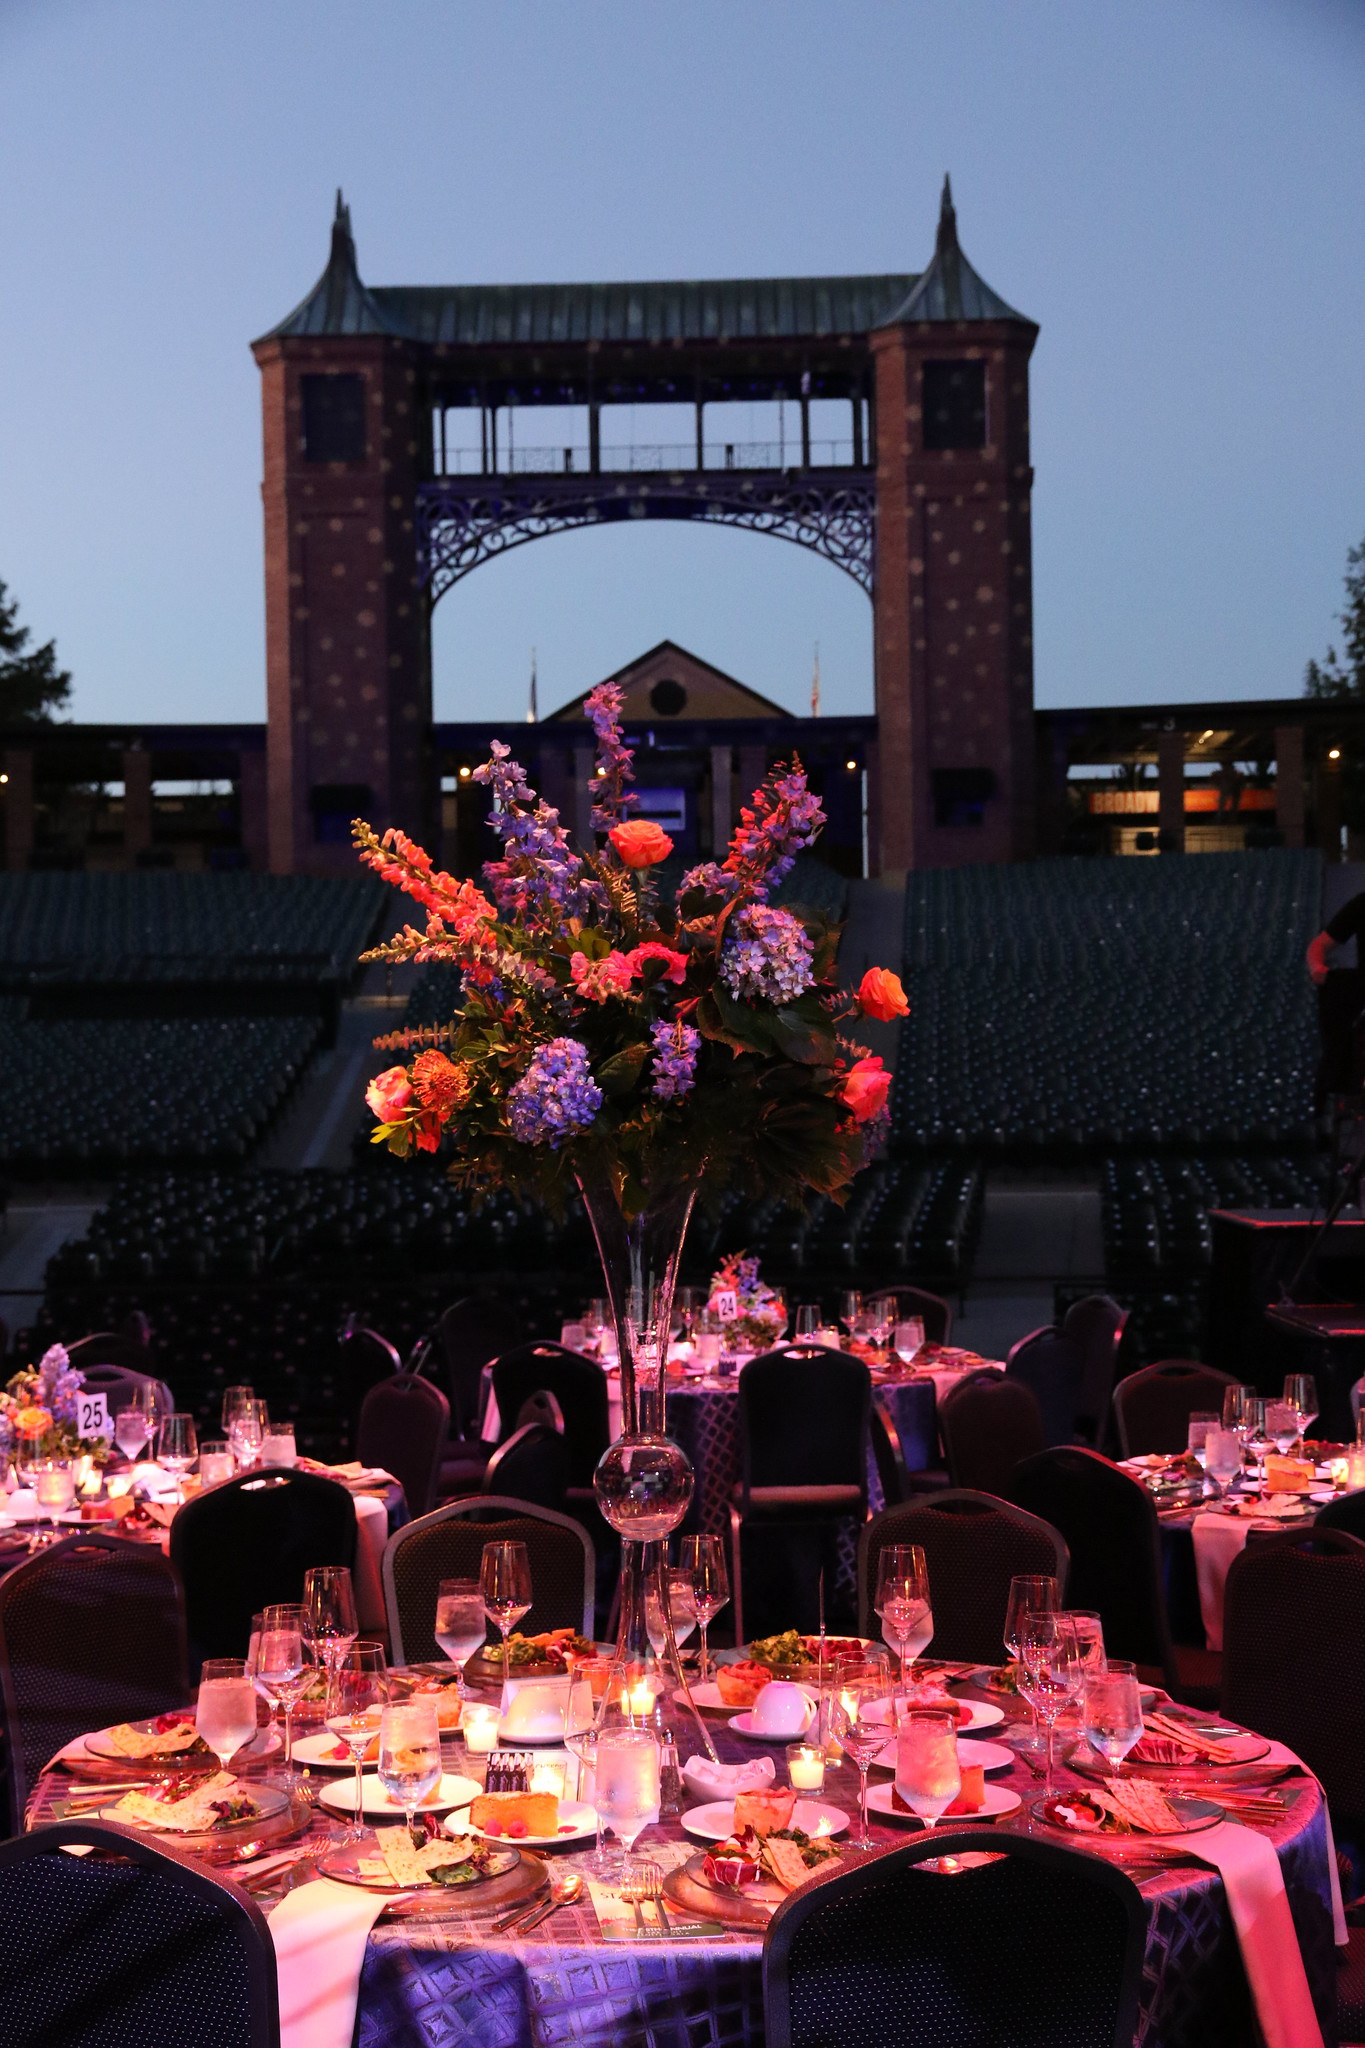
740	700
950	289
338	303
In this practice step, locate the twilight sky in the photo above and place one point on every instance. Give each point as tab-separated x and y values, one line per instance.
1171	188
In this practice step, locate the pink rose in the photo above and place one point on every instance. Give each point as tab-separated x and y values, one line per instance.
866	1087
389	1094
675	964
595	980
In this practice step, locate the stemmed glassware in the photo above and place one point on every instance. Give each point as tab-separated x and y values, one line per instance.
133	1429
908	1339
54	1484
282	1670
682	1608
851	1310
1282	1425
246	1431
177	1448
928	1770
1029	1593
1255	1435
234	1401
860	1737
1200	1425
881	1319
461	1623
505	1582
626	1784
581	1739
902	1601
704	1558
1222	1458
1050	1671
410	1754
225	1717
330	1618
361	1682
807	1319
1301	1392
1113	1711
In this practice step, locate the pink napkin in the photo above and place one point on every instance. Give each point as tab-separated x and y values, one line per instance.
1254	1883
320	1932
1218	1539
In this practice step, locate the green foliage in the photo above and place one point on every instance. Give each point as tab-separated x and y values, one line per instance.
32	686
1340	678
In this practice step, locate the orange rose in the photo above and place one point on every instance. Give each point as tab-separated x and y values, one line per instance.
389	1094
880	995
866	1087
32	1422
641	843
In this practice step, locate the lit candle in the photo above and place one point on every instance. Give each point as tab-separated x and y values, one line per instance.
1355	1467
640	1700
548	1778
479	1726
805	1767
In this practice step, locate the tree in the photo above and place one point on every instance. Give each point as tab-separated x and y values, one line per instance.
32	686
1334	677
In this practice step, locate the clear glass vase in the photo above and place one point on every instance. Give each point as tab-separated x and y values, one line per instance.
644	1481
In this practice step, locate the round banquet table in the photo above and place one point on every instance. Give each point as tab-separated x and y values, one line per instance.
443	1982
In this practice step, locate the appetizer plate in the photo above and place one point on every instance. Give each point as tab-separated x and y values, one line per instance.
1192	1815
996	1801
577	1823
716	1821
344	1862
1246	1747
375	1801
265	1742
272	1812
983	1714
317	1751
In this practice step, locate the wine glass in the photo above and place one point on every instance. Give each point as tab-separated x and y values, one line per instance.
1255	1435
505	1582
246	1431
1088	1629
54	1483
282	1670
1200	1424
1301	1392
626	1783
860	1737
1113	1711
881	1319
850	1309
908	1339
410	1754
704	1558
1234	1405
461	1623
361	1693
1282	1425
1222	1458
330	1621
682	1601
580	1739
902	1601
807	1319
928	1772
225	1717
234	1401
1029	1592
132	1428
177	1448
1049	1671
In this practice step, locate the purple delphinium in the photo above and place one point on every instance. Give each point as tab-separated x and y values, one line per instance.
58	1384
676	1046
783	817
611	798
767	953
556	1096
711	879
540	875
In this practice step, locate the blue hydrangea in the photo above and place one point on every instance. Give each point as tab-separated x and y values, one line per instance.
767	954
712	879
675	1058
58	1384
556	1096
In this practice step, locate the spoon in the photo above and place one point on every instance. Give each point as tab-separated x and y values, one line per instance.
565	1887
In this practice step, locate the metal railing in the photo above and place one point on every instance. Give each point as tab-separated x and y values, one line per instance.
652	458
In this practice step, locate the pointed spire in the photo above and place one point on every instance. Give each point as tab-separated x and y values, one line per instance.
338	302
533	703
950	289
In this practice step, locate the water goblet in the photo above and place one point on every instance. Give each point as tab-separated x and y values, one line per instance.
1282	1425
928	1771
132	1429
505	1583
1200	1424
361	1682
409	1754
225	1716
902	1601
704	1558
461	1623
1050	1672
626	1784
1028	1592
1113	1711
177	1448
282	1670
860	1737
246	1431
908	1339
1222	1458
330	1622
1301	1392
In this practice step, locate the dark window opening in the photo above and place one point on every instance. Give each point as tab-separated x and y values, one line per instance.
668	697
334	418
333	805
961	794
955	405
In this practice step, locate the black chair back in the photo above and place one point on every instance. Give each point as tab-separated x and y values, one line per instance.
247	1543
448	1544
364	1358
120	1385
1346	1512
1034	1946
988	1423
1294	1655
1153	1407
1110	1525
1052	1365
580	1387
92	1632
110	1347
470	1335
532	1465
147	1951
893	1468
1096	1325
973	1546
404	1423
803	1422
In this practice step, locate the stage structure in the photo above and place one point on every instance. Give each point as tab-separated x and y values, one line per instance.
403	449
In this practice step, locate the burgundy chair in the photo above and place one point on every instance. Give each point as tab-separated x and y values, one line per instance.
1153	1407
988	1423
973	1546
404	1423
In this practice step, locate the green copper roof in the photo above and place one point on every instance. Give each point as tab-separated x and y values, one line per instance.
950	289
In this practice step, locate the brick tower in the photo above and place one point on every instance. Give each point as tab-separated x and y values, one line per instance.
348	678
953	619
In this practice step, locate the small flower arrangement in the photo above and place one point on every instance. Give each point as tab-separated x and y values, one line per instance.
760	1317
39	1411
601	1032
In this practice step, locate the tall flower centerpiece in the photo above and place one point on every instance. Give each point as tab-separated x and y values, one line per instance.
644	1054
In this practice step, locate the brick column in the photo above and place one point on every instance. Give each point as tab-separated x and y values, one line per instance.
251	808
1289	783
722	801
18	808
753	766
1329	808
137	802
1170	775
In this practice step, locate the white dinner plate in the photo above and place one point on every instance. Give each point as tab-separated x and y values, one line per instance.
744	1724
376	1803
997	1800
984	1715
316	1752
577	1823
705	1696
714	1822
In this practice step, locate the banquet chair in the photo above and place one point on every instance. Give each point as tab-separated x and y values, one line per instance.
136	1945
532	1465
1096	1324
92	1631
1109	1521
1034	1946
1052	1366
973	1546
804	1415
988	1423
1346	1512
1294	1655
448	1544
580	1387
1153	1407
120	1384
470	1335
903	1456
404	1423
246	1544
363	1359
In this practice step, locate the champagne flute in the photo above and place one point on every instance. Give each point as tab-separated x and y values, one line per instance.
362	1692
861	1738
1050	1672
1113	1711
410	1755
902	1601
282	1669
461	1623
626	1783
928	1771
177	1448
225	1716
704	1557
331	1623
505	1582
1301	1392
